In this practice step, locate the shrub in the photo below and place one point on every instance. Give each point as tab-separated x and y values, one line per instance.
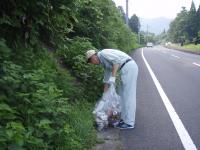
36	113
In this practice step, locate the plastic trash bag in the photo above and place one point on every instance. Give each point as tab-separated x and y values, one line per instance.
107	107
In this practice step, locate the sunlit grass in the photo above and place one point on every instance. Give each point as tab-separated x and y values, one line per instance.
192	47
187	47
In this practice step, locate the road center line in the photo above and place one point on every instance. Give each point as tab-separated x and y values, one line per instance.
181	130
175	56
196	64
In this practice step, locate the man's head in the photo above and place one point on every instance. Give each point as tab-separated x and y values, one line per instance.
92	57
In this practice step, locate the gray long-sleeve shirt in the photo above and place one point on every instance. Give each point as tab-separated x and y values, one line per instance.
109	57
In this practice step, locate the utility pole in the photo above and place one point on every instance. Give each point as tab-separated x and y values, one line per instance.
127	21
127	12
147	33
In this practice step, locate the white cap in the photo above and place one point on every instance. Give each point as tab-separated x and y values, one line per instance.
90	53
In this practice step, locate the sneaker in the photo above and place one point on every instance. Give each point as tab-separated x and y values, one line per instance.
124	126
121	121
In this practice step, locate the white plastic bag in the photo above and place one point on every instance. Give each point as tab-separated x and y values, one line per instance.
106	107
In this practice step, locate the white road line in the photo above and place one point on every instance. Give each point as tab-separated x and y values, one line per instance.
196	64
175	56
181	130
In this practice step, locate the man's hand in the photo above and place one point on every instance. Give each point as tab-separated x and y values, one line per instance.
111	80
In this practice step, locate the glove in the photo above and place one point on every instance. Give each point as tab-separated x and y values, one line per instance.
111	80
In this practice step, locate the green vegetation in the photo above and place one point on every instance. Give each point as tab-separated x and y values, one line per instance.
186	47
47	90
185	28
134	24
192	47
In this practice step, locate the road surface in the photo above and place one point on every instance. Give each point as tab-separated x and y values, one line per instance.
168	101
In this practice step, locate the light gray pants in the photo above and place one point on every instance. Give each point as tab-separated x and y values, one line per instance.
127	91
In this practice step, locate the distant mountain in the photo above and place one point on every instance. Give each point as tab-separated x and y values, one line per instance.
155	25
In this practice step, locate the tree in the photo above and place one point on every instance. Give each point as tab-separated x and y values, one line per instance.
198	18
177	31
121	10
192	22
134	24
150	37
197	39
142	37
186	25
162	38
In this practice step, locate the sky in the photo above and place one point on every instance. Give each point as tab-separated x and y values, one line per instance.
156	8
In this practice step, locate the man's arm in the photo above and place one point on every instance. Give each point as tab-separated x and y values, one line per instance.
114	69
114	72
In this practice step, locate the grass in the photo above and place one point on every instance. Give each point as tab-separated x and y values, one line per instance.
192	47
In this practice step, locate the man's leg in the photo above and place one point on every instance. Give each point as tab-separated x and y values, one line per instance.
129	83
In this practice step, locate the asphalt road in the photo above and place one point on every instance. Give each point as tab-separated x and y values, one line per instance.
179	76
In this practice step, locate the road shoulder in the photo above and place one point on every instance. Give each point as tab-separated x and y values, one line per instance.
110	138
